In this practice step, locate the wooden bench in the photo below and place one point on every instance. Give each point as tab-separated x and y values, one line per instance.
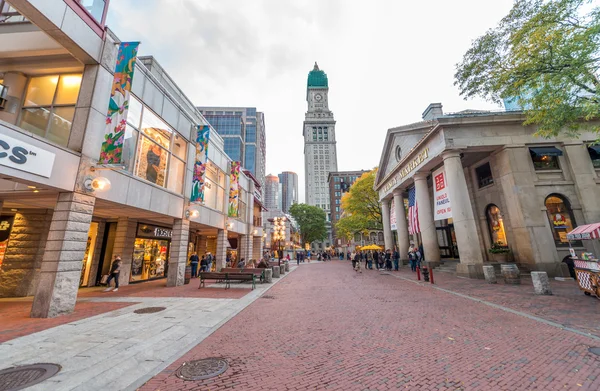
227	278
260	273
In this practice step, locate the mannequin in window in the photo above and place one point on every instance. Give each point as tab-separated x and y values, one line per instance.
153	162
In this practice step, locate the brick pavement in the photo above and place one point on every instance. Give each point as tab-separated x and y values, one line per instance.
15	321
327	327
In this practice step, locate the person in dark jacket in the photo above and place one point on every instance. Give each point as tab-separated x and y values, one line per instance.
194	263
204	264
115	271
376	258
396	257
388	260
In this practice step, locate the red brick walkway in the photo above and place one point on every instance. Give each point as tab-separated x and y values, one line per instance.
325	327
15	321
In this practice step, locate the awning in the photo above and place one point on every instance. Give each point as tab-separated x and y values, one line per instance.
594	149
585	232
546	151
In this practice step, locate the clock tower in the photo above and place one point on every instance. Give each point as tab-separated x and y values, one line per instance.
320	155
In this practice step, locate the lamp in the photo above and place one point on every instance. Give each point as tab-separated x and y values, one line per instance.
96	184
191	213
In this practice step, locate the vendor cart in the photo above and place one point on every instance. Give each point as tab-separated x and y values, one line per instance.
587	267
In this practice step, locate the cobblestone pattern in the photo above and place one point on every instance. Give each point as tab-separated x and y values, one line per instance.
329	328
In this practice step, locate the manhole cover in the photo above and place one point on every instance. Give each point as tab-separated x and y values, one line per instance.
595	351
18	378
267	297
149	310
202	369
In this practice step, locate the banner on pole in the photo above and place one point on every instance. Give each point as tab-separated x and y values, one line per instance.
118	105
202	136
234	190
393	223
442	206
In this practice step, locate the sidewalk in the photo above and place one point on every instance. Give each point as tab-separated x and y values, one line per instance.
118	349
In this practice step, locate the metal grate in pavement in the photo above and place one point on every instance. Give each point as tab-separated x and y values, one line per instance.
202	369
149	310
21	377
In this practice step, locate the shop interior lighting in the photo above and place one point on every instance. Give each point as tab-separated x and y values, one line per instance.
31	187
14	210
36	191
191	213
96	184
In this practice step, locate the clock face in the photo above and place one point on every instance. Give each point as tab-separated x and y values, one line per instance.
318	97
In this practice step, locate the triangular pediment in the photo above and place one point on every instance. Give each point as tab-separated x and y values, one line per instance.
398	143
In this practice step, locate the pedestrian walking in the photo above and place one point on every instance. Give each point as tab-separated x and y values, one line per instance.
194	263
396	257
204	265
370	260
356	261
412	258
115	270
376	258
388	260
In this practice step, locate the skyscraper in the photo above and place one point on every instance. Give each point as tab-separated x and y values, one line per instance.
320	155
243	130
289	190
271	192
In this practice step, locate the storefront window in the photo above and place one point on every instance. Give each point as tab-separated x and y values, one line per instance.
545	158
484	175
594	151
49	106
151	252
214	187
561	218
86	263
152	162
496	225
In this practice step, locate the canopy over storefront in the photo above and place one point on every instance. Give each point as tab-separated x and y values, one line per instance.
585	232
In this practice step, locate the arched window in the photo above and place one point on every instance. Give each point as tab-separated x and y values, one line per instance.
380	237
561	218
496	225
373	237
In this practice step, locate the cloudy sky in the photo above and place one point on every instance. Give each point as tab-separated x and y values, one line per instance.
386	61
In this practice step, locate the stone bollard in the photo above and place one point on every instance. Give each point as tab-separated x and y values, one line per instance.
287	266
490	274
269	275
276	271
511	274
282	269
541	285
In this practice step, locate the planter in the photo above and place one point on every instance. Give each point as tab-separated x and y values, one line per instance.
500	257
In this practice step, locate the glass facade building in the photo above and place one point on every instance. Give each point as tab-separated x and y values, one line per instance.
243	130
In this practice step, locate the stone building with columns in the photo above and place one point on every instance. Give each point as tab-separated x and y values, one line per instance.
57	234
506	187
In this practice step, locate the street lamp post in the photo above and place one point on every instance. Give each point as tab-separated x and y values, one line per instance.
279	233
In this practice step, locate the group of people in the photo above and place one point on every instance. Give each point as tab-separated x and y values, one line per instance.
206	263
385	260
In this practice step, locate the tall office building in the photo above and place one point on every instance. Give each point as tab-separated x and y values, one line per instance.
289	190
320	155
243	130
271	192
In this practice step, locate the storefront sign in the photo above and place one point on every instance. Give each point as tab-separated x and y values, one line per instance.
393	224
25	157
410	166
442	206
257	195
234	190
198	183
152	231
118	105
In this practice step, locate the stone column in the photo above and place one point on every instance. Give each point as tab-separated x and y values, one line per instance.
584	176
465	226
65	248
388	239
123	246
178	254
426	223
257	248
533	240
221	252
402	225
248	245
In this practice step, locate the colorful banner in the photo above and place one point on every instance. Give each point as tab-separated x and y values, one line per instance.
442	209
393	223
118	106
202	136
234	190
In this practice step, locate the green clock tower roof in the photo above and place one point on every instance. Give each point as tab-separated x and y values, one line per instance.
317	78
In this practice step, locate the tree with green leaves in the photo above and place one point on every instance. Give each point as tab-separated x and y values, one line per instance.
362	210
312	222
545	54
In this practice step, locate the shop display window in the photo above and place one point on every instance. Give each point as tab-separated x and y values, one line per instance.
484	175
150	257
594	151
561	218
496	225
545	158
49	106
152	162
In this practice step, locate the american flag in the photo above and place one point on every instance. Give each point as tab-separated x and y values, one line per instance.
413	213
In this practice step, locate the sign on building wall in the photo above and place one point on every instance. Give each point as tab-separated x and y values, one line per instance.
118	105
202	136
25	157
442	206
393	216
234	190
